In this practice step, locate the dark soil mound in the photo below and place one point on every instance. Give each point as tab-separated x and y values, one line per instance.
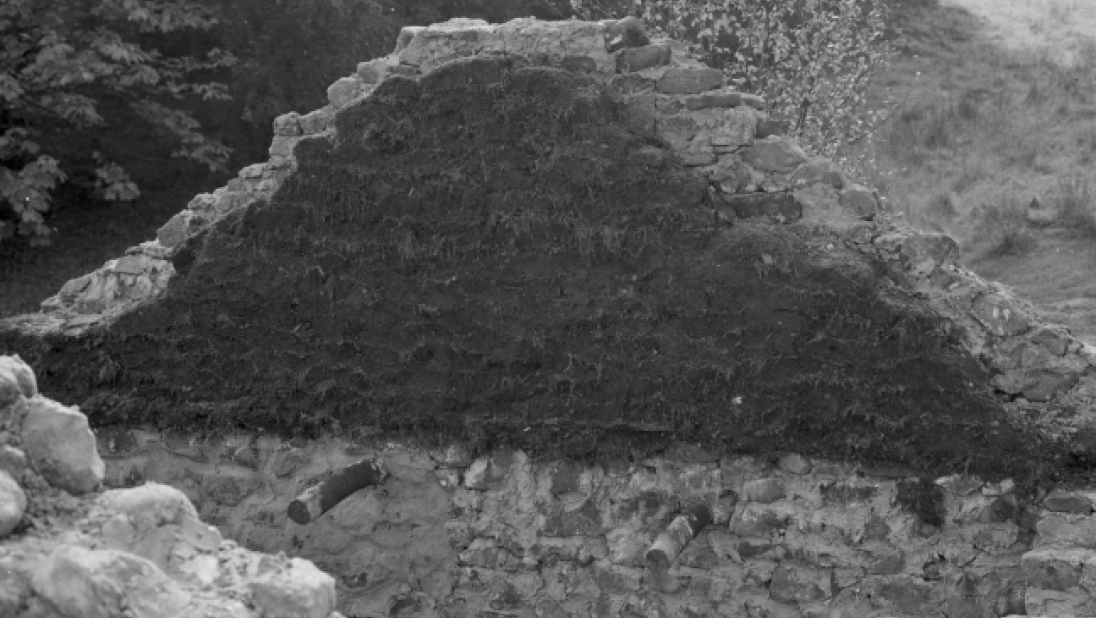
489	253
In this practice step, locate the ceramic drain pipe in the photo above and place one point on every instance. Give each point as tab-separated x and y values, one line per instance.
323	497
683	529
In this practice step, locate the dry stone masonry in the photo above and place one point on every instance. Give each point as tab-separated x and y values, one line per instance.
723	134
502	535
69	550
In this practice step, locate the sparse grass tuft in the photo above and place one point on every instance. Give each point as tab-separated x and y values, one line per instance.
1076	204
1005	229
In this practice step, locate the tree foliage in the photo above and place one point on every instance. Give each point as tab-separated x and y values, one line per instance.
811	59
82	81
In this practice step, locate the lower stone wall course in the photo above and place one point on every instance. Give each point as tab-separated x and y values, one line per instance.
503	535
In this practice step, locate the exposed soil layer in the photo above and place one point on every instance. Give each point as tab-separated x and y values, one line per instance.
489	253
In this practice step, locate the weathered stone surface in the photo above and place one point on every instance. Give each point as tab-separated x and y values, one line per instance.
777	207
1055	339
1063	531
13	502
768	127
13	461
311	123
817	171
678	131
639	58
639	113
1064	502
1055	569
763	490
61	447
774	154
713	99
727	128
631	83
105	584
859	200
690	81
489	472
16	379
299	591
154	503
794	463
923	252
799	585
1076	602
1000	315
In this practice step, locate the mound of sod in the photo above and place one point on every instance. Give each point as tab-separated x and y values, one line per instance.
489	253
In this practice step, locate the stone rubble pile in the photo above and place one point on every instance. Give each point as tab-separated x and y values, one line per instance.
70	551
505	534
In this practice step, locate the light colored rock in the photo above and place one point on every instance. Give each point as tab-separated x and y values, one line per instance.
153	503
763	490
690	81
344	91
61	447
16	379
299	591
86	583
13	502
13	461
774	154
794	463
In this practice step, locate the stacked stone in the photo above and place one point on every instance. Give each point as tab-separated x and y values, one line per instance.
1031	362
449	534
68	552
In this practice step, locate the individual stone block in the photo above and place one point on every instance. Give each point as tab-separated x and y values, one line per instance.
61	447
639	113
793	584
1055	339
859	200
817	171
690	81
999	315
698	157
923	252
714	99
767	127
371	71
1042	602
490	472
288	124
631	83
1064	502
763	491
678	131
313	122
639	58
774	154
13	502
105	584
578	64
298	590
777	207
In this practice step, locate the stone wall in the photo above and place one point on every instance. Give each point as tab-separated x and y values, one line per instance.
446	535
68	550
720	133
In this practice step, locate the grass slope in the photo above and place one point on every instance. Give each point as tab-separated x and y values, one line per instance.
995	143
482	255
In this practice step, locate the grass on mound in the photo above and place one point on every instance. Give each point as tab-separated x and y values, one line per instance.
481	256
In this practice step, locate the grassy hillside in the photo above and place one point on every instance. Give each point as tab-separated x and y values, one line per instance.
996	144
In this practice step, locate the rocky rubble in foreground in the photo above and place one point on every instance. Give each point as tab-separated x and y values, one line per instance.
70	551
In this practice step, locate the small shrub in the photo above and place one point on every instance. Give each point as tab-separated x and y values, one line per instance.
812	61
1076	204
1005	227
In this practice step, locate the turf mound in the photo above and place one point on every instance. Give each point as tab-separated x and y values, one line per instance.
499	252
